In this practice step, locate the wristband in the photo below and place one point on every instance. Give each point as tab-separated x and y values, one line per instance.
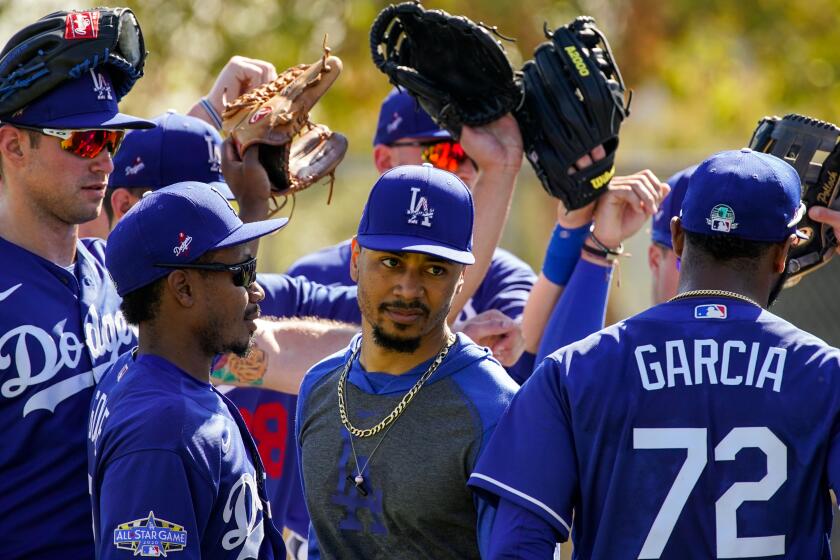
562	253
211	111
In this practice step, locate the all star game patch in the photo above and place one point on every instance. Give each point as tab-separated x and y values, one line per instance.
150	537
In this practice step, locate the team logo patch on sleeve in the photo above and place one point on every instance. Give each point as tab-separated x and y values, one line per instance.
149	536
710	311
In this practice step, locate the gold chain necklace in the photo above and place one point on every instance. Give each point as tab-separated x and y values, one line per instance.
712	293
401	406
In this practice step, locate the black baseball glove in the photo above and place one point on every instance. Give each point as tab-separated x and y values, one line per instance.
803	142
574	102
454	67
62	46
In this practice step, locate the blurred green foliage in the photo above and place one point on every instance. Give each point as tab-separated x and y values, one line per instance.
703	73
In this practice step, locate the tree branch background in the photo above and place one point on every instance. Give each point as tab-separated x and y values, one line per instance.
703	74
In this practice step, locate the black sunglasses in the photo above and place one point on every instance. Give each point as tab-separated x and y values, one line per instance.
244	273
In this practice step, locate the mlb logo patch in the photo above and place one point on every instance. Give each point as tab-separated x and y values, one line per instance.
722	219
710	311
81	25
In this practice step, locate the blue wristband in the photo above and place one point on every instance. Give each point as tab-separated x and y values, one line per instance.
211	112
563	252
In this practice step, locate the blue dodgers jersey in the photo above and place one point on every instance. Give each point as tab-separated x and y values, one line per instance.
505	286
59	331
269	415
702	428
173	471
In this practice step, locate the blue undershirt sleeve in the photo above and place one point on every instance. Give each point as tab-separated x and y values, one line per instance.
523	368
581	309
518	534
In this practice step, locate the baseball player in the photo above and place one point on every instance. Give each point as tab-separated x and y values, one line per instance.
388	429
60	325
183	263
406	135
662	261
184	148
701	428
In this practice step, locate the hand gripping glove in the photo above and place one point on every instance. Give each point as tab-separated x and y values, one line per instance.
803	142
295	152
574	102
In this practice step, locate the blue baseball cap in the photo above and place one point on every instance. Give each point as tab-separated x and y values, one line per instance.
172	225
419	209
745	194
88	102
661	227
180	148
401	117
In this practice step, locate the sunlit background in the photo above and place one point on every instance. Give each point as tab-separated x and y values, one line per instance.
703	74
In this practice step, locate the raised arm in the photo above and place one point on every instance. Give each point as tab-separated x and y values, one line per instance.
283	351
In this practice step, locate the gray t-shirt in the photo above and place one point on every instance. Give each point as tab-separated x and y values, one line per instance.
416	503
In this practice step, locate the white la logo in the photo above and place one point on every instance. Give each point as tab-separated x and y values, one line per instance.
214	154
419	209
101	86
246	513
394	124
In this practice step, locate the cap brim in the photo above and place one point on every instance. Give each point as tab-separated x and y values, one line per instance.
404	243
434	134
250	231
92	121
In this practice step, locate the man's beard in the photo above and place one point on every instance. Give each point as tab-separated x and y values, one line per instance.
212	343
396	344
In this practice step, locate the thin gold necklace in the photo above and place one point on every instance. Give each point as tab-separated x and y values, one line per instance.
708	293
388	421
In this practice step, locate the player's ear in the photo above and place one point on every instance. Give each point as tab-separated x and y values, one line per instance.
780	254
121	202
355	251
677	236
460	285
382	158
654	258
12	144
178	284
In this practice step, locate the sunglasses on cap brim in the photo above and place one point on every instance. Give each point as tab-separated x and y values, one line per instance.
84	143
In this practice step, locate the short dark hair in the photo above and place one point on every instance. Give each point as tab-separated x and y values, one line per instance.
726	248
143	304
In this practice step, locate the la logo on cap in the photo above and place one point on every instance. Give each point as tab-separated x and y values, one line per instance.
722	219
419	208
394	124
214	154
101	86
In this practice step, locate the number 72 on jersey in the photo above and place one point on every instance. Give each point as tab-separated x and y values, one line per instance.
694	441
